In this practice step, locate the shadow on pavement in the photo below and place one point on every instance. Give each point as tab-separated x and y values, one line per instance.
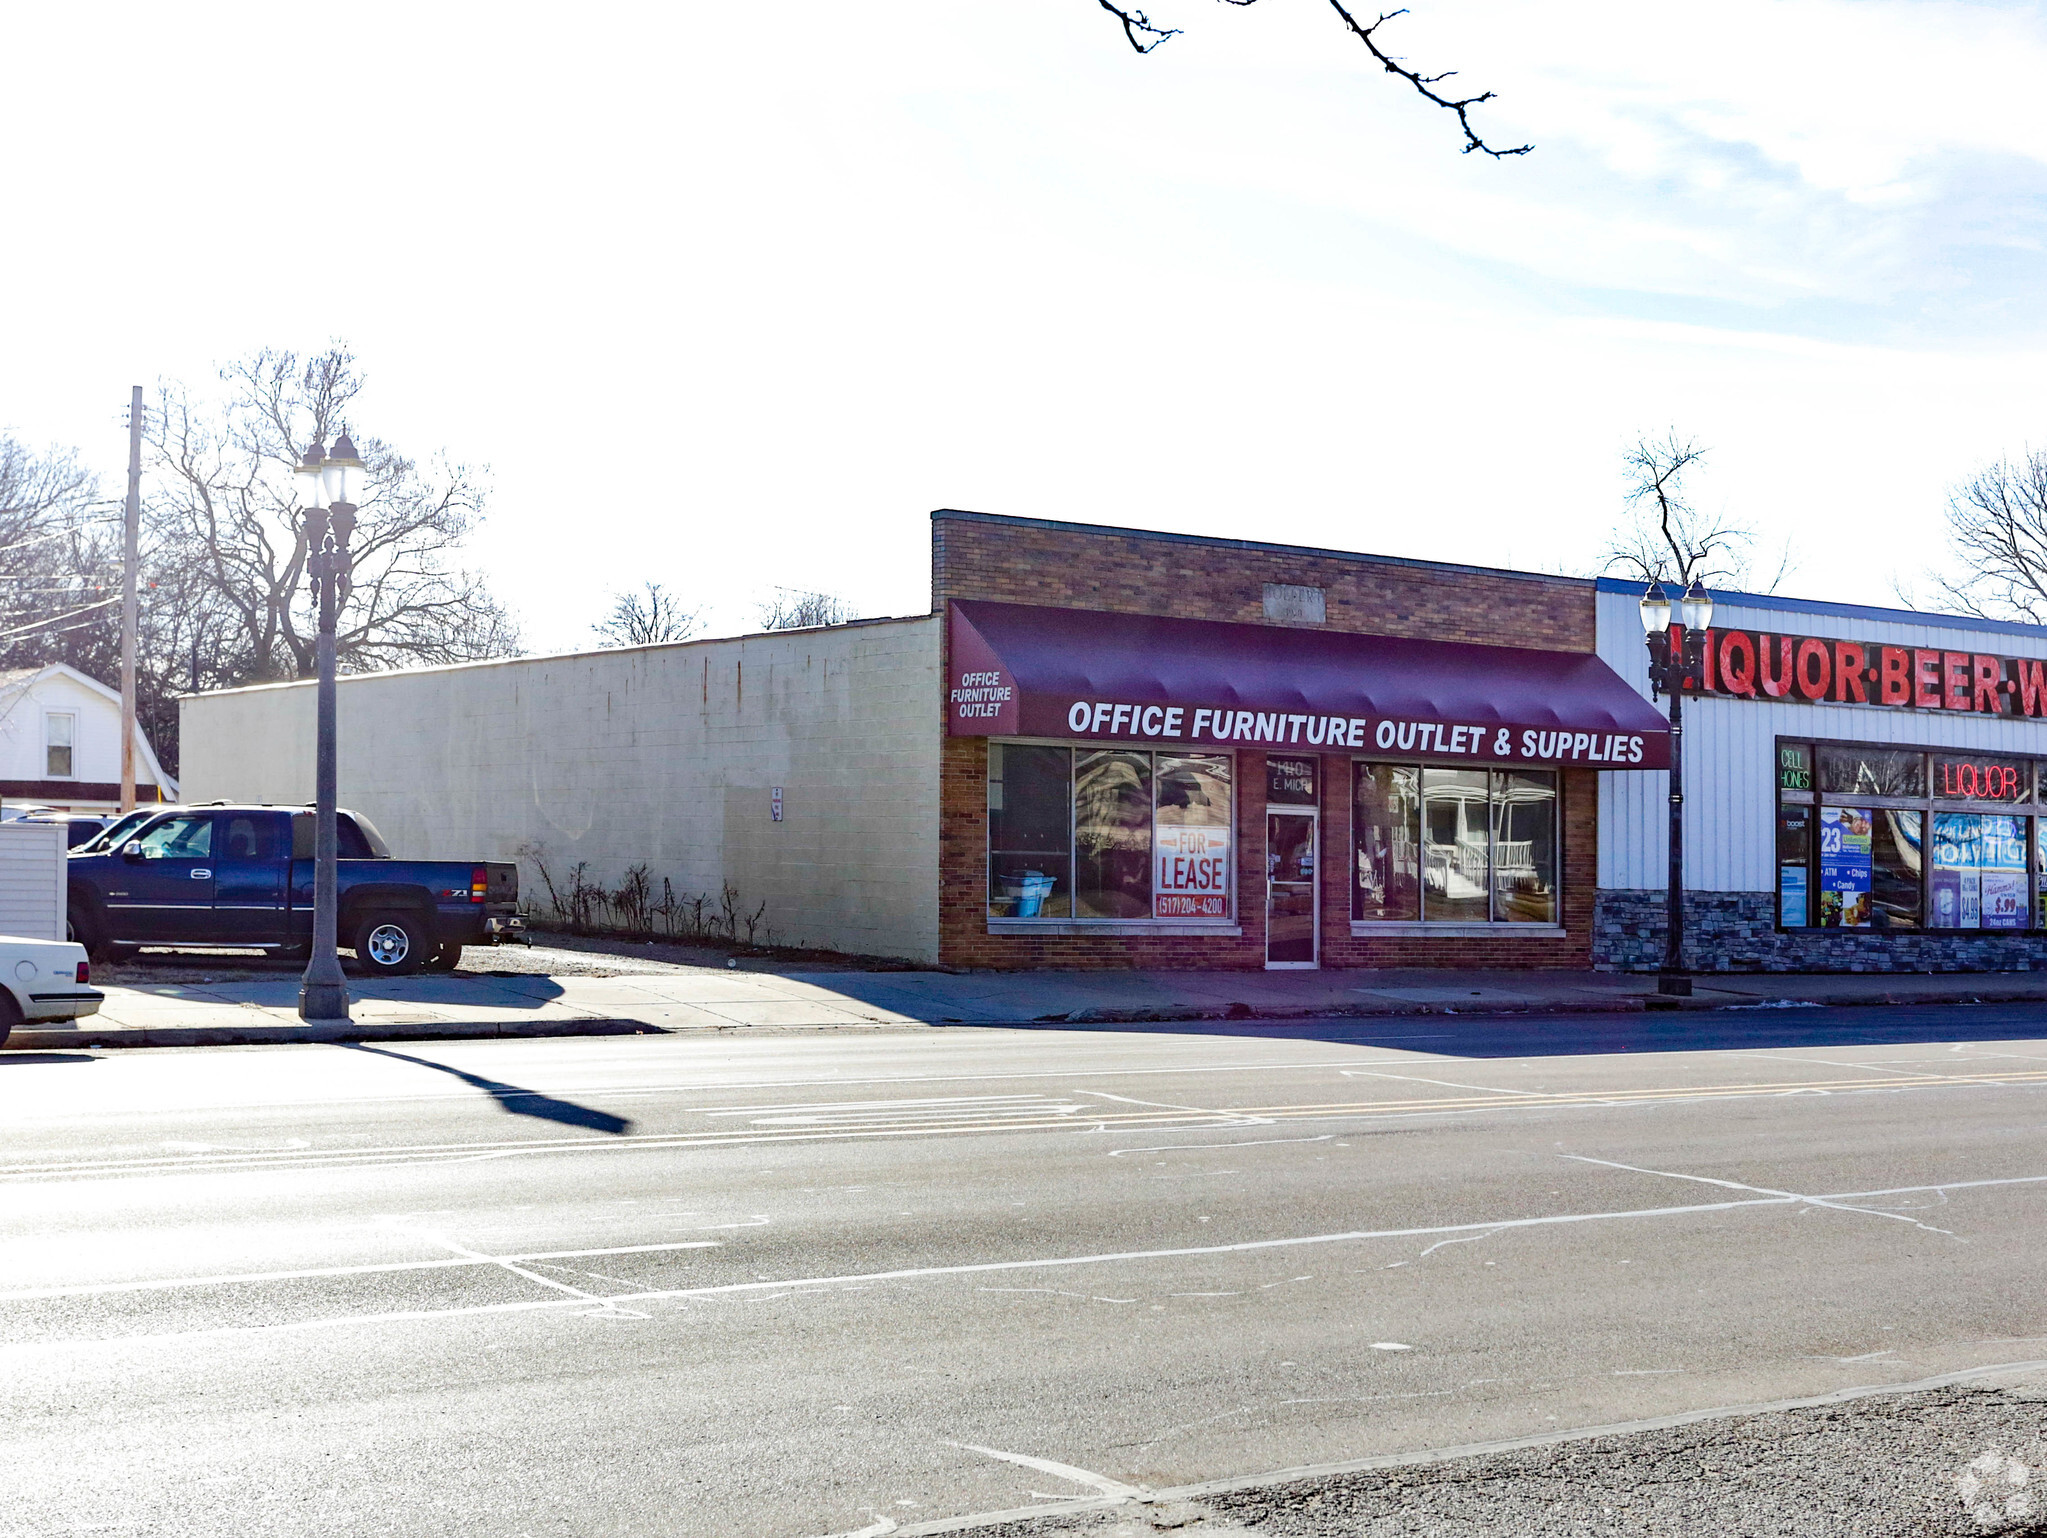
520	1102
48	1057
1719	1030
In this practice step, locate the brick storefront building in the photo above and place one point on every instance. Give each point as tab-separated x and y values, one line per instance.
1438	901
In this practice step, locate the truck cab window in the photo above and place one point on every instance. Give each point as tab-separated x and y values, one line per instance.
179	838
250	838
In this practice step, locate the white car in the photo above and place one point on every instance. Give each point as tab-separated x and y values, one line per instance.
43	980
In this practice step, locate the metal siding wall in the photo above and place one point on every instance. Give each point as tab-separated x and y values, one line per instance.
1730	784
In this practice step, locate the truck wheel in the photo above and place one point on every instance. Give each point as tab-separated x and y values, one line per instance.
391	944
444	959
83	927
10	1014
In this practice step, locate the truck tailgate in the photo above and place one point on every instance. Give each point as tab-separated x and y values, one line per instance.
501	882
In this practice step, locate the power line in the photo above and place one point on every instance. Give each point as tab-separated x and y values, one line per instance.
85	609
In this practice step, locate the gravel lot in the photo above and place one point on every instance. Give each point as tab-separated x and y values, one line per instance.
1951	1461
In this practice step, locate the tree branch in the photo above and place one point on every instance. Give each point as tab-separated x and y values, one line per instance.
1136	23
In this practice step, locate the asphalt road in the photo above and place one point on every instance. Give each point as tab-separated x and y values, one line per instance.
817	1283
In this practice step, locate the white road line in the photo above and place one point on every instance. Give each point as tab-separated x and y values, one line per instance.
970	1268
1409	1078
604	1305
1951	1185
1065	1471
1792	1055
639	1089
1814	1201
1054	1119
1264	1142
232	1278
1236	1117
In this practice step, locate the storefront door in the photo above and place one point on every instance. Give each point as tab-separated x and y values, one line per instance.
1290	888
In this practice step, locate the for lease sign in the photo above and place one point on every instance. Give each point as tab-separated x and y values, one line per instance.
1191	878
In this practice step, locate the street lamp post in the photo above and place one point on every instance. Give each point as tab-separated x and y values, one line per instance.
328	481
1669	663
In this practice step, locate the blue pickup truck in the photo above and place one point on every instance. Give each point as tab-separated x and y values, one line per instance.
242	876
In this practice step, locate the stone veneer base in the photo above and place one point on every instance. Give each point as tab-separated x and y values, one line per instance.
1737	932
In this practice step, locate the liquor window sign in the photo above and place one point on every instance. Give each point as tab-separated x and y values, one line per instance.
1758	665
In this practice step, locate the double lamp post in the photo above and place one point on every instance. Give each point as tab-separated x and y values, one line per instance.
1673	658
327	482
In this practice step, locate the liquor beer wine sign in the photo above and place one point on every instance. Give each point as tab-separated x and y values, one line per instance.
1757	665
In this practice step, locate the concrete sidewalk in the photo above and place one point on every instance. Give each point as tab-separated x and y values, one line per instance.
657	998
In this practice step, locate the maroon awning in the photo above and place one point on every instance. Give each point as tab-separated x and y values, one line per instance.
1080	674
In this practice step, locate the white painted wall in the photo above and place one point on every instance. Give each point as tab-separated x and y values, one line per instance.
661	754
33	897
1730	745
26	703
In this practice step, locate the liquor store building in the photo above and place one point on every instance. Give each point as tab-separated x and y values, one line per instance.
1865	790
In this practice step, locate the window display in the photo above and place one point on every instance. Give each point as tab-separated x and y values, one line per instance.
1386	820
1471	846
1108	834
1850	857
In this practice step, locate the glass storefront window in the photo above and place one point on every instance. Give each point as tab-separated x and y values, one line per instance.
1524	847
1112	834
1387	826
1030	831
1894	869
1846	872
1794	766
1115	834
1290	781
1852	862
1192	837
1794	866
1456	846
1456	874
1979	872
1871	771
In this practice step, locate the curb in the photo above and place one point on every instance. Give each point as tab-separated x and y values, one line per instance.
31	1039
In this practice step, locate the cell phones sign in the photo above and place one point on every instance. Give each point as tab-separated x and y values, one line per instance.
1192	875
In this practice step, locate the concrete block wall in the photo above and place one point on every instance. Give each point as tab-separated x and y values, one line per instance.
662	755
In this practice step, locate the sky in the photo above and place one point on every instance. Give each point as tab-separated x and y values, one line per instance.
730	297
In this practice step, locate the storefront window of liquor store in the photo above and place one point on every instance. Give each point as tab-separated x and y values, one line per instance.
1794	862
1109	835
1854	771
1457	846
1855	854
1979	872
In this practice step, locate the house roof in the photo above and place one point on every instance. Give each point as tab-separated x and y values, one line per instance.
24	679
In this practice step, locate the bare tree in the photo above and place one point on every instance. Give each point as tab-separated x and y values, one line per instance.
796	609
1664	538
224	516
1997	531
647	618
1145	35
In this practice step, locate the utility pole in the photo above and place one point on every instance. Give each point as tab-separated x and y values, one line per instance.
130	558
